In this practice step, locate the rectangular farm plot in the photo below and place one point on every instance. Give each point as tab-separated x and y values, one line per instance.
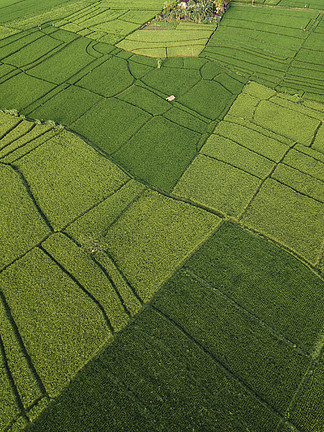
54	185
263	362
301	182
208	98
24	378
159	153
229	151
265	280
97	220
155	235
260	140
291	124
63	329
217	185
289	217
309	409
109	78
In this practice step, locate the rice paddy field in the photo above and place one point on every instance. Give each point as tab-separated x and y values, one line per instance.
161	261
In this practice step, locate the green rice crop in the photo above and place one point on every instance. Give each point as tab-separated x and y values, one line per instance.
131	301
160	364
9	408
308	412
119	78
159	152
172	80
265	280
111	123
9	144
282	214
65	63
62	198
301	182
186	119
78	263
306	160
281	120
154	236
236	340
21	226
7	122
26	383
67	106
145	99
210	182
208	98
97	220
33	52
229	151
63	329
254	140
21	90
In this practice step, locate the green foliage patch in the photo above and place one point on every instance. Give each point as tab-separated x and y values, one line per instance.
154	236
62	198
207	98
229	151
65	63
210	182
21	90
111	123
119	78
235	339
78	263
161	364
67	106
264	279
21	226
63	329
159	152
282	214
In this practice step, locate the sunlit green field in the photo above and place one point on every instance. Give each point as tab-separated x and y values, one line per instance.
161	262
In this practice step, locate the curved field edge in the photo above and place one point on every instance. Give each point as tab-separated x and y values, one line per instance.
171	351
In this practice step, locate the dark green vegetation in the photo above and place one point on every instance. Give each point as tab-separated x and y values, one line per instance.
160	262
199	340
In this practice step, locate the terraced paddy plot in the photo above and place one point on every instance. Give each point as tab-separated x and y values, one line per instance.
163	40
184	346
109	21
276	47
